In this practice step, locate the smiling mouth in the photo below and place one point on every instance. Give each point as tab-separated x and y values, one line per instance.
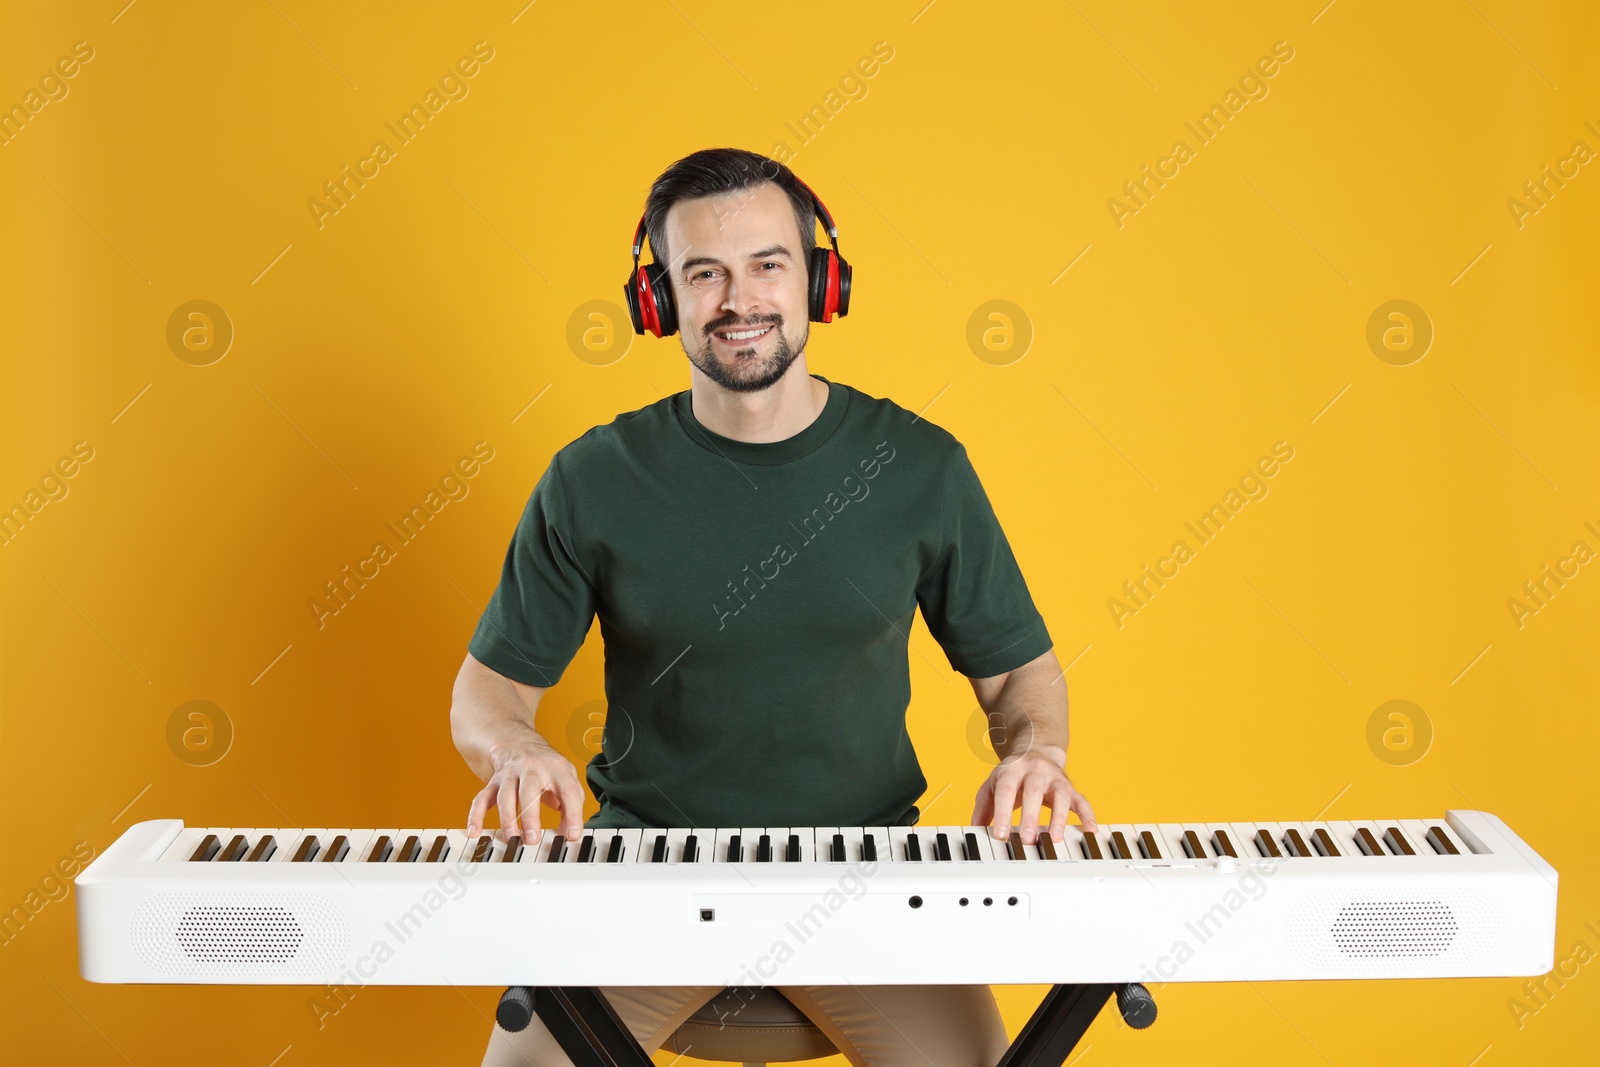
742	336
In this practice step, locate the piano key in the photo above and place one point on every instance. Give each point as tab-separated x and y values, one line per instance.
307	849
234	851
764	848
905	844
1045	846
1416	831
1170	836
837	854
855	842
1119	845
941	846
658	851
1344	836
977	848
512	852
882	844
410	849
1244	840
586	848
869	845
439	850
1091	846
1221	840
750	837
791	852
1193	846
692	852
1396	840
970	851
1439	837
483	849
730	845
1149	846
679	845
206	850
1015	849
1368	843
1296	844
555	848
1265	844
1322	840
337	850
380	850
265	847
615	848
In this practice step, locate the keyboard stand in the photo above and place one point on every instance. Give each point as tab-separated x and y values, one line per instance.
589	1030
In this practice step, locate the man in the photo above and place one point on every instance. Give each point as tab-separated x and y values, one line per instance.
755	547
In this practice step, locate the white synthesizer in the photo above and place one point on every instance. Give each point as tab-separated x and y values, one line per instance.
1189	902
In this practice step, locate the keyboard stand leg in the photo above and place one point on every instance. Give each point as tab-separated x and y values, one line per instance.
1056	1026
587	1028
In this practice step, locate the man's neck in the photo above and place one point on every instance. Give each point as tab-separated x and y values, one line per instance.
776	413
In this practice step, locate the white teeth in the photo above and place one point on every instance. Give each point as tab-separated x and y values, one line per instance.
744	335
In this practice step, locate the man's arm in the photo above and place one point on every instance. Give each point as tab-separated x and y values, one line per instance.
491	723
1027	712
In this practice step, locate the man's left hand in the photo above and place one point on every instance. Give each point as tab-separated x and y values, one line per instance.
1034	779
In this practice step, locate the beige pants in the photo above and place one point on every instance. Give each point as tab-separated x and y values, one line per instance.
873	1026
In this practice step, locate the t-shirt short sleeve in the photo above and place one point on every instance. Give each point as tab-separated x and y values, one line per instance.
973	597
542	609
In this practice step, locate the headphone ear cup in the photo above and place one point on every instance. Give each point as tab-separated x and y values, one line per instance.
661	290
830	281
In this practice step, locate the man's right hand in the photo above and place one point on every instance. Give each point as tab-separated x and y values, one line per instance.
526	774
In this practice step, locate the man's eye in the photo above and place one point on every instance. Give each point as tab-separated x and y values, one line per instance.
769	264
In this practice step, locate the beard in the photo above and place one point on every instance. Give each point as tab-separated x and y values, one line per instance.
743	370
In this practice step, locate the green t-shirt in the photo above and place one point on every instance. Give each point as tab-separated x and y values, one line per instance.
756	602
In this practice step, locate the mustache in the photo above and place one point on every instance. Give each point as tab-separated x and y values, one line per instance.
723	324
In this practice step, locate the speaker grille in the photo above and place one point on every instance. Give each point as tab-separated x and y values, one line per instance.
240	935
1378	933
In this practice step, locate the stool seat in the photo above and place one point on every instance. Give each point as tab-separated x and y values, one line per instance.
750	1024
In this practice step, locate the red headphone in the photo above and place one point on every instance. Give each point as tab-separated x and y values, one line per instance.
649	291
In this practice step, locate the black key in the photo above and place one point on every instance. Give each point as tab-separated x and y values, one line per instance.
337	851
513	851
913	848
941	846
263	850
735	852
410	850
1047	847
691	848
209	846
483	849
1119	846
1441	844
1297	844
659	853
307	850
1014	846
1091	847
614	853
440	849
1266	846
380	850
558	849
1147	845
1397	842
869	848
792	854
1224	847
586	850
1324	842
764	849
1192	846
970	851
838	848
235	850
1367	843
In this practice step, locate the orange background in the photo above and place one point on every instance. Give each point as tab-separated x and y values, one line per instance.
1163	357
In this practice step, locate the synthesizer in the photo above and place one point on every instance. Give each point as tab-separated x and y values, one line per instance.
1203	902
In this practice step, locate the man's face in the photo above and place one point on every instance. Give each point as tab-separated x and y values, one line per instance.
737	269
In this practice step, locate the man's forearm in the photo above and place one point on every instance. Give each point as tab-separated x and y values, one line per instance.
490	714
1029	713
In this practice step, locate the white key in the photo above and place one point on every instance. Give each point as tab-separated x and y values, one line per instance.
1170	834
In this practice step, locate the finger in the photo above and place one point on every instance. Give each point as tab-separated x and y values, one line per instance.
529	791
983	806
1060	803
1005	802
1033	787
1080	804
508	806
480	807
570	795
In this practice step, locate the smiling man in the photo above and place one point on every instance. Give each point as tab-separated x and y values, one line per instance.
755	548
